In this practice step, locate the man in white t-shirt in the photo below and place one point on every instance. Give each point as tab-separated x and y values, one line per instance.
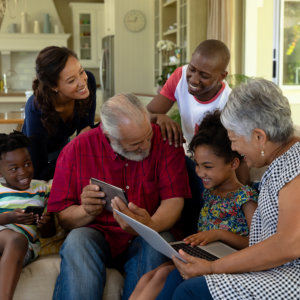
198	87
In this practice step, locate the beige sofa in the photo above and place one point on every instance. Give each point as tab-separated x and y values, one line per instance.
38	279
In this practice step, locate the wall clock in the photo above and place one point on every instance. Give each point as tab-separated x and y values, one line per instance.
135	20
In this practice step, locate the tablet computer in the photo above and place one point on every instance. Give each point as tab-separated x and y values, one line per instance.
110	191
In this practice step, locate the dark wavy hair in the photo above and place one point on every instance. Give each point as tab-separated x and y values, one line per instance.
12	141
212	133
49	63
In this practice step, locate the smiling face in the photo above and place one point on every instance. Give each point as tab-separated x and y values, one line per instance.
204	76
72	81
249	149
212	169
135	140
16	168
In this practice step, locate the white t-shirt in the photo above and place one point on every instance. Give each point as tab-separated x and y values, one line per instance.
191	109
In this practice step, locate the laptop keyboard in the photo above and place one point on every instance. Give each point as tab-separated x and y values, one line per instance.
194	251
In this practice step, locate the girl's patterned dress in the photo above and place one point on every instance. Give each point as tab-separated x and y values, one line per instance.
226	212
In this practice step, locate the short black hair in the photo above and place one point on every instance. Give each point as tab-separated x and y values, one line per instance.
214	49
211	132
12	141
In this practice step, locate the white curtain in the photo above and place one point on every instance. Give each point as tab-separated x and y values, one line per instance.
225	24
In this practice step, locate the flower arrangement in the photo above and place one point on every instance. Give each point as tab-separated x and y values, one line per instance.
165	45
170	52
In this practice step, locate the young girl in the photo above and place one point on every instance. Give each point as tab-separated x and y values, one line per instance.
228	205
19	243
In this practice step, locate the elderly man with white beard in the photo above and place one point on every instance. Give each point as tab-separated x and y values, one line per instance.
125	150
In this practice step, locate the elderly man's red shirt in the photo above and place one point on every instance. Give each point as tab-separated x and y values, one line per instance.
162	175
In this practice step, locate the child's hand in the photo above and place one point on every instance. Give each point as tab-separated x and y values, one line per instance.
44	219
202	237
46	225
19	216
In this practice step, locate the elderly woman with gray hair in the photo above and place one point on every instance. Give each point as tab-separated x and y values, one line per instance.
258	119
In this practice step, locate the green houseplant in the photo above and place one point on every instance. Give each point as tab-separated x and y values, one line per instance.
234	80
166	72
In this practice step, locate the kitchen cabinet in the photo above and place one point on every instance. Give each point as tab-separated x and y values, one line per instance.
88	30
182	22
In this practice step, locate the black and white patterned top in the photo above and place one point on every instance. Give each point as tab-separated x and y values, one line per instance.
278	283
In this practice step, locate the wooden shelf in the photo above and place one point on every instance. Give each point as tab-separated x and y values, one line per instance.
169	32
169	64
169	3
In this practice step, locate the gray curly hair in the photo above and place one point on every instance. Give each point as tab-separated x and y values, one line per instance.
258	103
119	109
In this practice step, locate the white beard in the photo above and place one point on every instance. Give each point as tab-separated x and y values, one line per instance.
135	156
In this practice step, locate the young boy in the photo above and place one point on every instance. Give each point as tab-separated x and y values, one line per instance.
19	243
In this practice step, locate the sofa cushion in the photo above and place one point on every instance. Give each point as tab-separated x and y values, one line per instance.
37	280
52	245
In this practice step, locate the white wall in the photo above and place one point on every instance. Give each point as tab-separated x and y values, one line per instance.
22	70
296	113
264	47
134	51
258	38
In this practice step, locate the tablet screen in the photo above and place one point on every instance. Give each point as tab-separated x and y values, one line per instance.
110	191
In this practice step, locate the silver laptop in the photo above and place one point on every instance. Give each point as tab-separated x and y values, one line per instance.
211	251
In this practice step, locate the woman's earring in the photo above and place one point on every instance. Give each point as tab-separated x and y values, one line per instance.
262	153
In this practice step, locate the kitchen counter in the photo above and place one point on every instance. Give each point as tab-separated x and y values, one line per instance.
11	101
13	94
10	120
12	97
12	117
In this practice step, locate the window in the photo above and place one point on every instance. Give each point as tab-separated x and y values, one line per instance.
287	43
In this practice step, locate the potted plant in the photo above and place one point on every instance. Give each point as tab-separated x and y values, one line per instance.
235	79
170	60
166	73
